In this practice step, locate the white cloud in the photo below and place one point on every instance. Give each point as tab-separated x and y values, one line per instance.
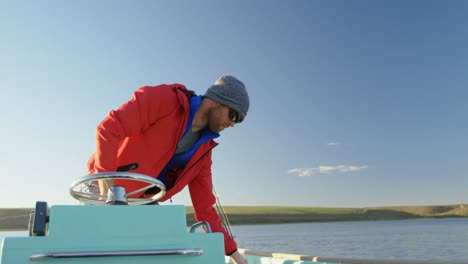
333	143
304	172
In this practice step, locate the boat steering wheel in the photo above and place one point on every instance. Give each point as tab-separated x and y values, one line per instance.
97	199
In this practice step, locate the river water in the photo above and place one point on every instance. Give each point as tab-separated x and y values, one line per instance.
419	239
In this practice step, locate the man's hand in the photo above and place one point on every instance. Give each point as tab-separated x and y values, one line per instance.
237	258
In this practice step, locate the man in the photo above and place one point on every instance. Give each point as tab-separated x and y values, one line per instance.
167	132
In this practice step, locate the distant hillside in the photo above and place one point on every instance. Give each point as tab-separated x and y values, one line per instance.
14	219
460	210
17	219
240	215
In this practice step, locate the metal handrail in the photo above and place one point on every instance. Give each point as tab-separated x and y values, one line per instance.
204	224
125	253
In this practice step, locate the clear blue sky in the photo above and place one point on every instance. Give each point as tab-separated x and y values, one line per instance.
353	103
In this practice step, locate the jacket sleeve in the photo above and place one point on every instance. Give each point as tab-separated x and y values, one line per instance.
201	193
146	107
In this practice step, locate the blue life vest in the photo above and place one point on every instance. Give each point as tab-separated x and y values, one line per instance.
180	160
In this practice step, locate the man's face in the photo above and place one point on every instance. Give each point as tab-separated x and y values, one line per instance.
219	118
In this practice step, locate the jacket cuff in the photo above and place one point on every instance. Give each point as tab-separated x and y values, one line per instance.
232	252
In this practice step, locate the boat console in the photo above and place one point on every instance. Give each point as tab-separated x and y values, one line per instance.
113	229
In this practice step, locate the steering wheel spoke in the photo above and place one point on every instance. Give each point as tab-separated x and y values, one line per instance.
146	200
91	195
142	189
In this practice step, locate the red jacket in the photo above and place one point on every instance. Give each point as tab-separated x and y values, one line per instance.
145	131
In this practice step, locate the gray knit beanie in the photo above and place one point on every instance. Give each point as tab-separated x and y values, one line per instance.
231	92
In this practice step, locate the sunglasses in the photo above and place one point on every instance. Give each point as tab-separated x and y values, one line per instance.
234	116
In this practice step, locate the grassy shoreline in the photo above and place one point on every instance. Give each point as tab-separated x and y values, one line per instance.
14	219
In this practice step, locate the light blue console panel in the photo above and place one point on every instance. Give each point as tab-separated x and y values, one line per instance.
116	234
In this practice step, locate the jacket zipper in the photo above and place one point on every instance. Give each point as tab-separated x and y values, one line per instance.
181	133
201	157
180	137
